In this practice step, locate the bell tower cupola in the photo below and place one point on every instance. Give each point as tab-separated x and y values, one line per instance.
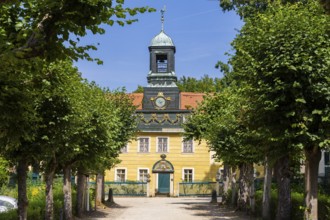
162	50
161	93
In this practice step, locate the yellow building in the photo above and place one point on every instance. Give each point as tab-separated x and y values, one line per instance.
159	155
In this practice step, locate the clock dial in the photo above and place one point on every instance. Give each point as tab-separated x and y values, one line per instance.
160	102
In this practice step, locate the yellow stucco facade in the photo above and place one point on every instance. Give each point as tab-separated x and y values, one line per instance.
199	161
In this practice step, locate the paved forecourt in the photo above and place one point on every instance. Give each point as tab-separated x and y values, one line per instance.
164	208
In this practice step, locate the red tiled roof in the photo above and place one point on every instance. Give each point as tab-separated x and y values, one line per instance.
137	99
188	100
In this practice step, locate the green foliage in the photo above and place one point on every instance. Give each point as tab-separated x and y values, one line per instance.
139	89
4	173
16	95
36	195
205	84
248	8
63	119
8	191
52	29
324	206
244	8
47	112
286	73
80	123
297	205
220	119
110	126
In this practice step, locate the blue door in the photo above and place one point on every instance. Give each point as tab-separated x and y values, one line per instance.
163	182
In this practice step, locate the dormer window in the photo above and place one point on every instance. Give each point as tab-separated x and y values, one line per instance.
161	61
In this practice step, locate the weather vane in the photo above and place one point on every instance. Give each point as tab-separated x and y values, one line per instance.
162	19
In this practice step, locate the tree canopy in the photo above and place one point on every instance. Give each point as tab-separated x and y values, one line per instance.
52	29
279	78
287	72
205	84
43	108
248	8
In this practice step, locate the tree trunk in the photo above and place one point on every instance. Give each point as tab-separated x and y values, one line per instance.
313	157
22	195
283	176
67	193
267	190
81	185
245	183
103	192
233	188
252	190
50	173
226	179
98	191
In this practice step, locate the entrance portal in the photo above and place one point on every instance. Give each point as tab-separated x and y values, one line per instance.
163	183
164	169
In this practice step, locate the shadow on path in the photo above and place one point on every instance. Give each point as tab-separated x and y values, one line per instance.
165	208
105	211
212	211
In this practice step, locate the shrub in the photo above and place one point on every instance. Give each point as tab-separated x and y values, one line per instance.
36	196
324	206
227	197
297	205
4	164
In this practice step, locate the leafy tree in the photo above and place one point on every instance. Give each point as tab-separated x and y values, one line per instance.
32	33
111	126
52	29
204	84
60	111
18	117
221	120
248	8
283	57
139	89
82	126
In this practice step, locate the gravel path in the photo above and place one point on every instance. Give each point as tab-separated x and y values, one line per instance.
158	208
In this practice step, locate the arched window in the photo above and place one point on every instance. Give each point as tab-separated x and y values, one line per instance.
161	60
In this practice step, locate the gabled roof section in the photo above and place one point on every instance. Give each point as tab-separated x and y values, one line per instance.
137	99
190	100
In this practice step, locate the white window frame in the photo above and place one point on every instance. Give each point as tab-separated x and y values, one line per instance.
193	173
124	152
193	147
138	172
168	144
149	145
116	172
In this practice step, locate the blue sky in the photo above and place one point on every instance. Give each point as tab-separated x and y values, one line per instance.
199	29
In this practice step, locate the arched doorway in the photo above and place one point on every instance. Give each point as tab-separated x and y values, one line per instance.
164	175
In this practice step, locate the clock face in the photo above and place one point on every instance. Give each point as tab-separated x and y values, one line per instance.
160	102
